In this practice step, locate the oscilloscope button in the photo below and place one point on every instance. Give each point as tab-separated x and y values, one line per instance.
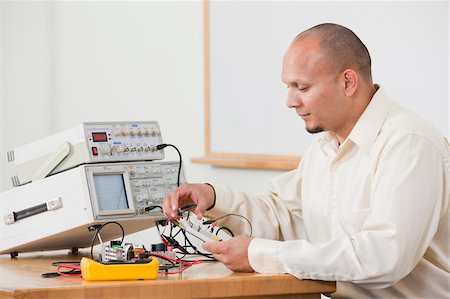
105	150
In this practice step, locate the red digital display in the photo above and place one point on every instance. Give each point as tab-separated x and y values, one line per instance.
99	137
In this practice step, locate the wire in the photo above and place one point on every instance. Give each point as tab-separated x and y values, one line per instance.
227	215
171	241
164	145
149	208
73	266
97	229
147	254
75	270
196	251
186	208
175	262
224	228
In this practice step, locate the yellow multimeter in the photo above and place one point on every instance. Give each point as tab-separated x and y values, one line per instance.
112	270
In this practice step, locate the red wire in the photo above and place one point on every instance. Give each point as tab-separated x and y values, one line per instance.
68	266
186	264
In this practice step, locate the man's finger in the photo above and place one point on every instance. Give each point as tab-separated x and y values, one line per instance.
213	247
174	198
168	204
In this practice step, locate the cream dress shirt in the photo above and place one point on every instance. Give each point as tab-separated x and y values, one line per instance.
371	214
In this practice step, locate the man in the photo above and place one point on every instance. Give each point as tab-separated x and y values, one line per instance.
368	204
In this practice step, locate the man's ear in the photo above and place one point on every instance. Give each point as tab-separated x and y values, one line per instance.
350	81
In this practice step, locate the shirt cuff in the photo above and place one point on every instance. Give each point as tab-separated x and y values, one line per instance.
263	256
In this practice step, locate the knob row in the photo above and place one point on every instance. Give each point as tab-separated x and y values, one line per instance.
138	132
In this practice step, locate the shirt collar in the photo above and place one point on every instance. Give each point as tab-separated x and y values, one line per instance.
367	127
369	124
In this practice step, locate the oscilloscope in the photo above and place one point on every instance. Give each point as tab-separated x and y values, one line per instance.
55	212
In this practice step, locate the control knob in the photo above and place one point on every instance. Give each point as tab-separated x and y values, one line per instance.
143	131
119	149
135	132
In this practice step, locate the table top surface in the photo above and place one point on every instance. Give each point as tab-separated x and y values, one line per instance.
23	274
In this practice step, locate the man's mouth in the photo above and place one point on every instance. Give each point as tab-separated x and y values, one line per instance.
303	115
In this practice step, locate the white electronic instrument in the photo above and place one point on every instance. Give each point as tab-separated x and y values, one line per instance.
55	212
89	142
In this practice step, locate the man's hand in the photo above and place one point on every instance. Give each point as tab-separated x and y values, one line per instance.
202	195
232	253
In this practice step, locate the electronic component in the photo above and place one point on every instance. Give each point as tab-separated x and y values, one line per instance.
114	270
89	142
196	228
115	252
162	250
55	212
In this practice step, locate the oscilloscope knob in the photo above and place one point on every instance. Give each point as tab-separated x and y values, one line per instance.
143	131
135	132
119	149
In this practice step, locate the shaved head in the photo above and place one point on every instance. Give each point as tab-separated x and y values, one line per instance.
342	48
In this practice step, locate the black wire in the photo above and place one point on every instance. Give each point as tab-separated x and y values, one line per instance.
149	208
176	234
196	251
160	147
97	232
164	145
160	256
57	264
56	274
224	228
182	249
170	240
157	227
227	215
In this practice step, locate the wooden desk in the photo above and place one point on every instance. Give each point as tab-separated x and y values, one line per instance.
21	278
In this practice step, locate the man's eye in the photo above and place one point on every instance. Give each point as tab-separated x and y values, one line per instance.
303	88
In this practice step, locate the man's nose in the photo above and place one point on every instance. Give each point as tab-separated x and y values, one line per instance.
293	100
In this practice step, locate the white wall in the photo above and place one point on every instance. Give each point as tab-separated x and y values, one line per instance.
2	114
69	62
406	40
